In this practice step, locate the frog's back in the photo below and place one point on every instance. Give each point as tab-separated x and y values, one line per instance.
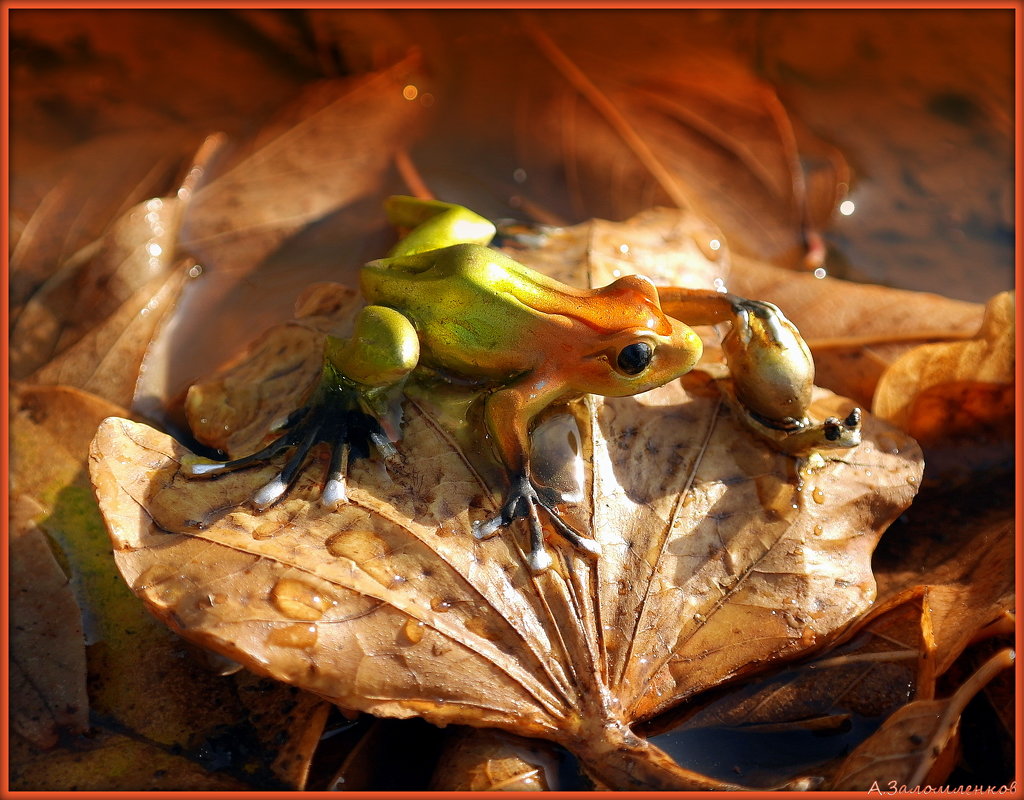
464	302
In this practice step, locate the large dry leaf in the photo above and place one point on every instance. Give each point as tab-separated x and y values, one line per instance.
391	606
958	398
111	275
107	360
76	625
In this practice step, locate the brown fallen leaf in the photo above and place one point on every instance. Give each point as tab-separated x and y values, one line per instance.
903	754
107	360
958	398
706	532
47	666
402	564
485	760
138	248
968	580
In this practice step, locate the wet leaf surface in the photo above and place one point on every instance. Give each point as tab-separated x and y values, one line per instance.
390	605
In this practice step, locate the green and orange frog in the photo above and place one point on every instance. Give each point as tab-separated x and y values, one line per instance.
445	301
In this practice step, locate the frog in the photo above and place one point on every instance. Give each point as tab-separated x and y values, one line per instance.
444	300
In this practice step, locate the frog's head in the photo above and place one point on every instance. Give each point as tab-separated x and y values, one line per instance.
638	347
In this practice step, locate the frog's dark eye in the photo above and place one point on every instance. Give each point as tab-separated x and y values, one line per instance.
635	358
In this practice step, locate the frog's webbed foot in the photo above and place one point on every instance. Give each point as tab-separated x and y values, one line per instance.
800	437
334	418
522	500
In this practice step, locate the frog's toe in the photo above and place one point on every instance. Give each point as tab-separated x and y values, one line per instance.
486	528
335	491
205	468
523	500
335	494
843	432
538	560
269	494
275	489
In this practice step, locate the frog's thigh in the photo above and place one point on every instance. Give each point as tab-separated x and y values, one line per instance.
382	349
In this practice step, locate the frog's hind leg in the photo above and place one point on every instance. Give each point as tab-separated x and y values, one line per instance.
432	225
333	418
359	386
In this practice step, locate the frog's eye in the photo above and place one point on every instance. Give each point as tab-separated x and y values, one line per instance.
635	358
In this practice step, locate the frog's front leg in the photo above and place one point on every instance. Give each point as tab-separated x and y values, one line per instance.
508	413
771	366
358	385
